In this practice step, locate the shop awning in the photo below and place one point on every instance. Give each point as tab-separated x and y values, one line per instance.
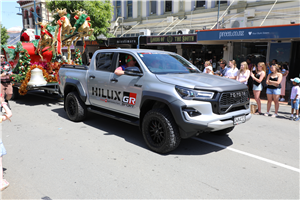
279	32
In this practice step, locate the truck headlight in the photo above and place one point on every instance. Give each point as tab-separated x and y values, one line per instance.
189	94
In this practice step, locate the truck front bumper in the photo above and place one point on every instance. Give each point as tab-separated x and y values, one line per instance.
206	121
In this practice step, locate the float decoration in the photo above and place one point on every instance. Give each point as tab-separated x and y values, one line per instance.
45	51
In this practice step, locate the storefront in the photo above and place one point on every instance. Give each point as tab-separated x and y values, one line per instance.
260	44
186	46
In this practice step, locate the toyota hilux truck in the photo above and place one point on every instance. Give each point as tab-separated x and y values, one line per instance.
164	94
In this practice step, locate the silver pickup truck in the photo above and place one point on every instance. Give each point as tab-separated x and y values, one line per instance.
164	94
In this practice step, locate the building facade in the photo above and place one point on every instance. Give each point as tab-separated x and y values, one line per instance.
179	17
27	8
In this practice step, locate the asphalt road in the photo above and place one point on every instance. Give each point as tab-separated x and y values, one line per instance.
50	157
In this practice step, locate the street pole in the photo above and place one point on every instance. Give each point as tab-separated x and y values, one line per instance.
218	15
35	18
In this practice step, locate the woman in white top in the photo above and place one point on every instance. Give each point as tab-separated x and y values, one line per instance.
243	74
232	70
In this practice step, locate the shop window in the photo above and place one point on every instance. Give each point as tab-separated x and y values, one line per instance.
200	4
104	61
129	8
281	52
118	8
168	6
256	52
153	7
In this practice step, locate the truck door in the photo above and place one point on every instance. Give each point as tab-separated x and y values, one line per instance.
98	79
128	90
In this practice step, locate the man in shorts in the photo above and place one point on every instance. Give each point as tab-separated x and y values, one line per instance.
6	86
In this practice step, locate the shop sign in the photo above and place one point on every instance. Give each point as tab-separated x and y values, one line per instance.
91	43
269	32
172	39
132	40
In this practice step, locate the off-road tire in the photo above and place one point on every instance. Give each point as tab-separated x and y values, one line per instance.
224	131
75	107
160	131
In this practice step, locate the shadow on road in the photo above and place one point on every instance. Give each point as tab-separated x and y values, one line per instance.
34	98
133	135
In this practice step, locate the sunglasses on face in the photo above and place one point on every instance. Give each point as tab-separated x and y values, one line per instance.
2	57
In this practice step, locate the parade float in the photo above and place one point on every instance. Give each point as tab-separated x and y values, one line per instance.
36	59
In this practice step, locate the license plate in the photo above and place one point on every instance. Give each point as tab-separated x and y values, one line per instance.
239	119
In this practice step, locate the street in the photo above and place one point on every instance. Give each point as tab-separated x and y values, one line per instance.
51	157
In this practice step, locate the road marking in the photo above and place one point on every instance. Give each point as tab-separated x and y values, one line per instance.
250	155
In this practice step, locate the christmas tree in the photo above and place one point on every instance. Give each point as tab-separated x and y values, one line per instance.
78	60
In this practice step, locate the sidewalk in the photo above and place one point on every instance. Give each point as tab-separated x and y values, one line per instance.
264	101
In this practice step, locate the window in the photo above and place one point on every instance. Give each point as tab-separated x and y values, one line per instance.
168	6
104	61
27	17
200	4
153	7
221	2
39	13
129	8
118	8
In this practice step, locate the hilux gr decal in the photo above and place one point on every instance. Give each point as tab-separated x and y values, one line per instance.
128	99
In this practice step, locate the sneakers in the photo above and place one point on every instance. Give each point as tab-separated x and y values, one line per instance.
297	119
266	114
275	115
292	118
282	99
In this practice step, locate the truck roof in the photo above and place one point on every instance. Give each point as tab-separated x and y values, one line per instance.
132	50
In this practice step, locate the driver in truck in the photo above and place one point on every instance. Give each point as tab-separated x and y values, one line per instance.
130	62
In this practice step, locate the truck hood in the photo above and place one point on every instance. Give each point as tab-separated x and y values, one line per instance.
202	81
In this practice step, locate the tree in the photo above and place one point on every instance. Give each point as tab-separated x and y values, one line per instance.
4	35
100	13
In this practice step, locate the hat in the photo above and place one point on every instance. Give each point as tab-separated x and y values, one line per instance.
296	80
209	67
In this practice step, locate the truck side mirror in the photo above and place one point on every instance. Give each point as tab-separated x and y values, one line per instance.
133	71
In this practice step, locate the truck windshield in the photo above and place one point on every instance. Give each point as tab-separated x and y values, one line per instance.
165	63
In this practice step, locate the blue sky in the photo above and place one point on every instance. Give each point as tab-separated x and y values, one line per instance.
9	17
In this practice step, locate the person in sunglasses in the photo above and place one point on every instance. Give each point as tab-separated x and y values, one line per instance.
223	67
6	86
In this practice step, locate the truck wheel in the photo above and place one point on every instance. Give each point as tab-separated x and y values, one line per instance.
160	131
15	94
75	108
224	131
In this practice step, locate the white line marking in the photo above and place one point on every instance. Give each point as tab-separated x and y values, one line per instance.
250	155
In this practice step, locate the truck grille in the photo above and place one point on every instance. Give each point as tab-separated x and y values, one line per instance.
233	101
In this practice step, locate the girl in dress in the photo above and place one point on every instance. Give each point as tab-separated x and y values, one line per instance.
285	72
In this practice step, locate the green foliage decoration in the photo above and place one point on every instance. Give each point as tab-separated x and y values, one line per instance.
78	60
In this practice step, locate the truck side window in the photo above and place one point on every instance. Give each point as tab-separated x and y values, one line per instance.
104	61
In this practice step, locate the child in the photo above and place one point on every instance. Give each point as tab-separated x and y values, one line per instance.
3	183
295	96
